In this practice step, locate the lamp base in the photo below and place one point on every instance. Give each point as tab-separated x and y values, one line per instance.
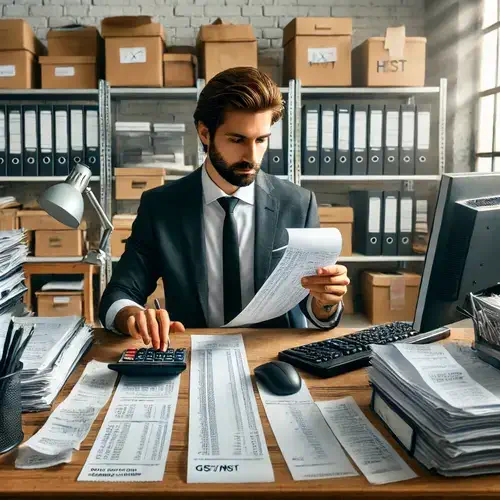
95	257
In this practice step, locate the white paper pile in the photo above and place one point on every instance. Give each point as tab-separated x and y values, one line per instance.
8	201
442	401
133	127
63	285
169	127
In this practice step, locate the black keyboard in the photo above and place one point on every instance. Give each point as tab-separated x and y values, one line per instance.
331	357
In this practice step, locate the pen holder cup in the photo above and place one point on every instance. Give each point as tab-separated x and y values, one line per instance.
11	429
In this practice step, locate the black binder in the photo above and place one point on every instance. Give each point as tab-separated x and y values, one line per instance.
46	136
61	140
407	138
327	143
391	140
406	221
92	157
426	160
264	164
31	131
3	141
276	156
15	140
77	135
367	207
310	139
343	129
375	138
390	223
359	139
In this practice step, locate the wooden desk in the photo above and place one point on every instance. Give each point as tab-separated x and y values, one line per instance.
261	346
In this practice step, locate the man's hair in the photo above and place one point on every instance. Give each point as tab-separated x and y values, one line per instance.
242	88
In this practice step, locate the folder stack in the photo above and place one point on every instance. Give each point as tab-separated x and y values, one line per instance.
442	403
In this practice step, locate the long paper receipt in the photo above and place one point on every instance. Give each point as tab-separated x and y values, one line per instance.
308	249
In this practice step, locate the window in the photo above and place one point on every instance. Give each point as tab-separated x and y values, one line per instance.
488	130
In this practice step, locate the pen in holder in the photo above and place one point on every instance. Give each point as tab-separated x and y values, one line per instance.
11	429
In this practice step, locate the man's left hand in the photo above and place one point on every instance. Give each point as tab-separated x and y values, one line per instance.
327	287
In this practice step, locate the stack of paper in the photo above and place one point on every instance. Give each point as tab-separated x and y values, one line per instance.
133	127
8	202
51	355
63	285
443	404
169	127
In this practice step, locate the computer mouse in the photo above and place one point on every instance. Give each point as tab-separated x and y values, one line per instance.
279	377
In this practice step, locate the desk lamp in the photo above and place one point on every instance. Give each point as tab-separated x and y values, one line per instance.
64	202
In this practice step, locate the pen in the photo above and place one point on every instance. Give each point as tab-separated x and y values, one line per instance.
158	307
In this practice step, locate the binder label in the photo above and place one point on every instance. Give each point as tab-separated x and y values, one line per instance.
408	129
406	215
392	129
15	133
77	129
343	131
2	131
64	71
360	130
92	129
30	136
61	132
7	71
374	215
323	55
46	131
391	206
276	139
312	131
327	129
376	117
132	55
424	130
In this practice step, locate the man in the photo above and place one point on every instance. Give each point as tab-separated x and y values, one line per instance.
212	236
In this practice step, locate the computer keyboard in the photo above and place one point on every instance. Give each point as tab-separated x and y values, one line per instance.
334	356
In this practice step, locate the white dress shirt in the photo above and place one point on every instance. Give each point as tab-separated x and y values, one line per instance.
213	223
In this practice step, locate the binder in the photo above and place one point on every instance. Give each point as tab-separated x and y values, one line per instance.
30	132
343	153
276	159
367	207
46	157
375	136
310	139
327	143
406	220
359	139
15	140
61	140
425	161
391	140
3	141
92	158
77	130
407	137
390	223
264	164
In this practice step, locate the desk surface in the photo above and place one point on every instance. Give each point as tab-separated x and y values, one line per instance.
261	346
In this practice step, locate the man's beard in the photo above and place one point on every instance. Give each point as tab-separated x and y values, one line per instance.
229	172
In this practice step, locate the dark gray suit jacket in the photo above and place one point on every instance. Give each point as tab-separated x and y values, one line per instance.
167	241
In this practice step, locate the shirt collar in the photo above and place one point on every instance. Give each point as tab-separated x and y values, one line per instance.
212	192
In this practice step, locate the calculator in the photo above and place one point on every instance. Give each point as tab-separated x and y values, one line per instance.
146	362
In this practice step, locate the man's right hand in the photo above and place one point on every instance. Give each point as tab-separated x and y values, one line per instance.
150	325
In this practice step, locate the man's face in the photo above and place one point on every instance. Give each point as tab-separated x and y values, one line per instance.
239	145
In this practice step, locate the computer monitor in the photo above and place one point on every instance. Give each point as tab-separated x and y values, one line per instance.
463	255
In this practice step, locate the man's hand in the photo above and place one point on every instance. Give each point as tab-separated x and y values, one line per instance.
150	326
327	288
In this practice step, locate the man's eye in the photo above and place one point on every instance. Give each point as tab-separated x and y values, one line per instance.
236	141
260	141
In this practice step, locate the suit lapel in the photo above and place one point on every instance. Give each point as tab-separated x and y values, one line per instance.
266	219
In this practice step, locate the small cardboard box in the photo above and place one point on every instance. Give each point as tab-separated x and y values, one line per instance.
222	46
318	51
342	218
75	40
62	303
68	72
67	243
9	219
19	48
122	224
132	182
134	48
390	296
179	70
39	219
391	61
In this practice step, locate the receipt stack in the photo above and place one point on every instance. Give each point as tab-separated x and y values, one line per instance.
442	402
51	355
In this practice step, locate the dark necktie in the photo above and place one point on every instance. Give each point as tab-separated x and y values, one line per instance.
230	260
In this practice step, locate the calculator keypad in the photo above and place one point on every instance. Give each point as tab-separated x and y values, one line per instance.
154	355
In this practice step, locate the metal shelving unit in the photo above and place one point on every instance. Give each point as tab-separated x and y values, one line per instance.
381	258
369	178
55	178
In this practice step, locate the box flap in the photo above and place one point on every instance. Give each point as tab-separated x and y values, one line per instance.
17	34
336	214
179	58
130	26
395	42
73	31
386	279
123	221
317	26
139	172
67	60
219	31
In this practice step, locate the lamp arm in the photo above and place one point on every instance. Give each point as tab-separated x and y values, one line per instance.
105	222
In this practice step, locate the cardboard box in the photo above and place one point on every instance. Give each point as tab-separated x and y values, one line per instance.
391	61
19	48
132	182
122	224
348	301
75	40
222	46
134	49
68	72
67	243
39	219
390	296
342	218
9	219
63	303
318	51
179	70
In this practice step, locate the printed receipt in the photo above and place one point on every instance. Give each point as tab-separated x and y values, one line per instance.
71	421
307	250
226	439
308	445
374	456
133	442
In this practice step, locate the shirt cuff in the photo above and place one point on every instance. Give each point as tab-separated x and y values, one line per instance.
114	309
331	322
